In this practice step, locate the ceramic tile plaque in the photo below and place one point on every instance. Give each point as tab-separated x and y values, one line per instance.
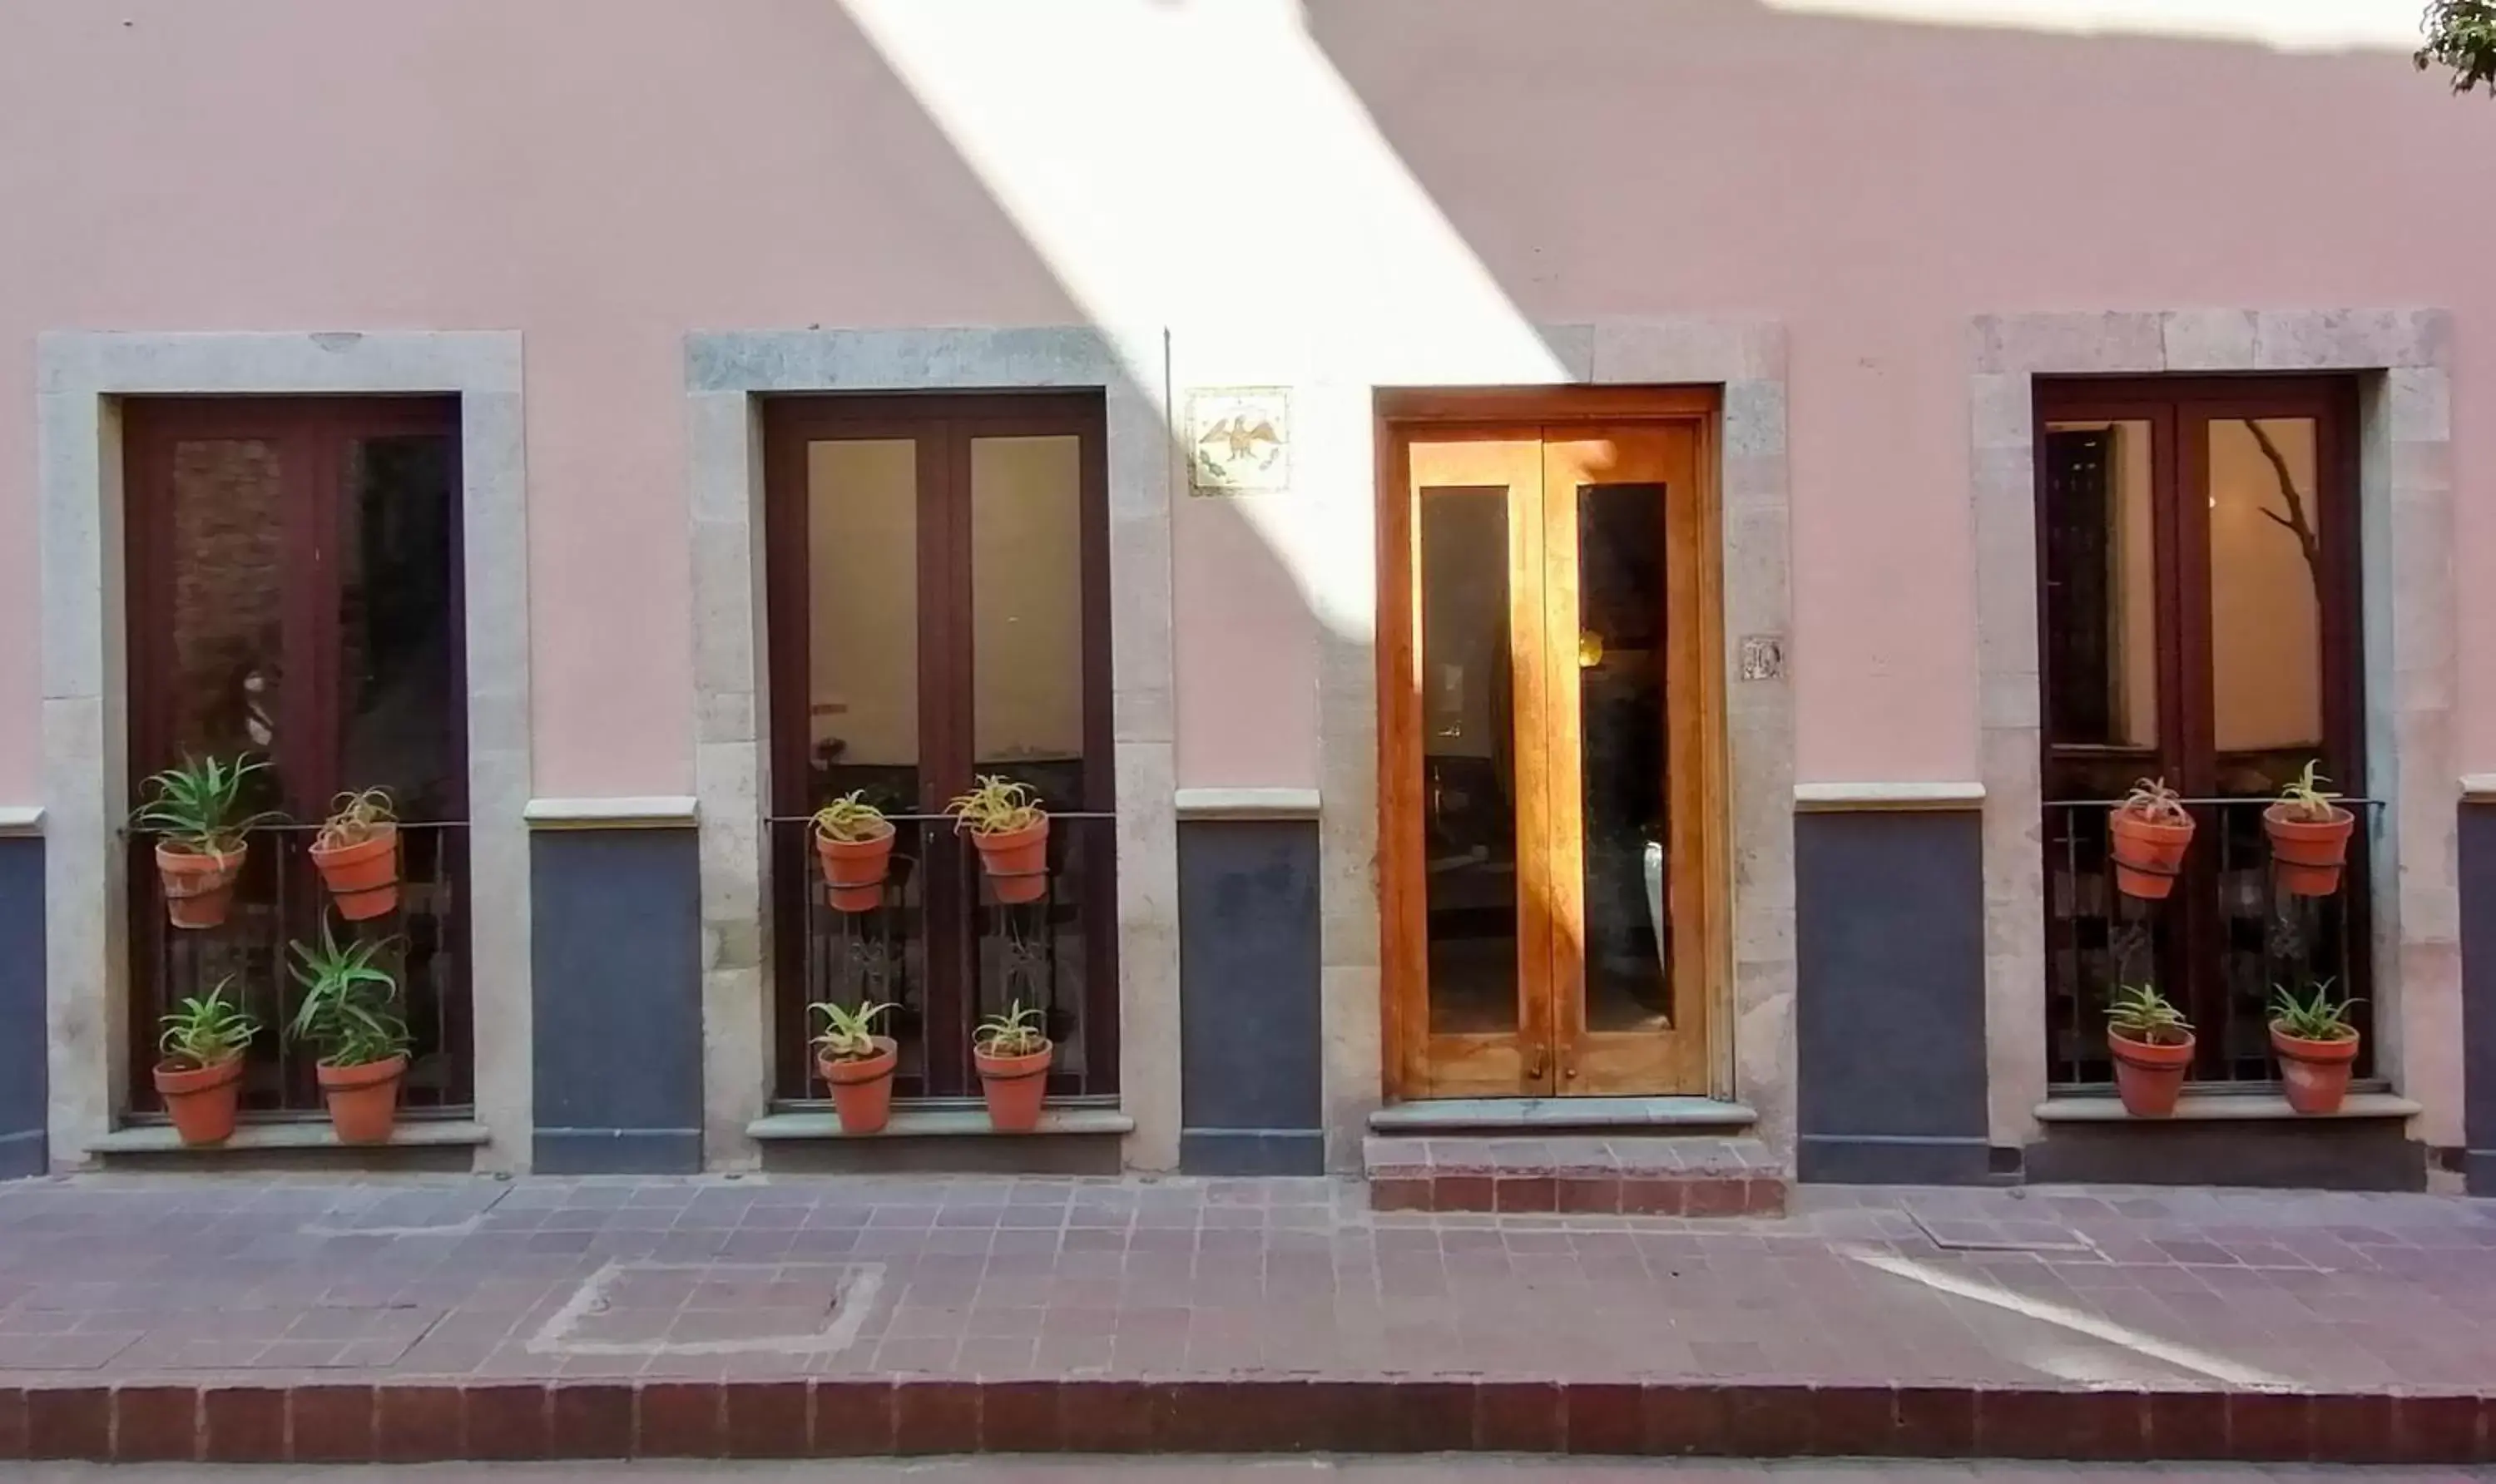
1240	440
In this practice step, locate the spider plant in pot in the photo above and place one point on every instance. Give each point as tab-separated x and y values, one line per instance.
196	810
854	841
200	1076
356	851
2317	1047
2153	1048
349	1013
1012	1054
1006	821
858	1064
2309	836
2150	829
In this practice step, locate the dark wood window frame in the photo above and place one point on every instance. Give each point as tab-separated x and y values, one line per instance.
943	425
312	436
2179	411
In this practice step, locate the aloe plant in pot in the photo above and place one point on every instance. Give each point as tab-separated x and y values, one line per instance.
856	1064
349	1013
854	842
2152	1043
2317	1047
2309	836
356	851
1012	1054
2150	832
200	1076
1005	820
196	809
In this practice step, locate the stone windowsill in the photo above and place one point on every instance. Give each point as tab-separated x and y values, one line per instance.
411	1133
939	1124
2223	1107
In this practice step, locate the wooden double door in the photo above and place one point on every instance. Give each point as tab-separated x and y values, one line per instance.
1550	811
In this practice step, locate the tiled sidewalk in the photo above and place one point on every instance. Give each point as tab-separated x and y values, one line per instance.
2133	1302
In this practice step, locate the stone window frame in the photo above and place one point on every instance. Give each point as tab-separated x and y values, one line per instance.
81	378
726	375
1337	434
2403	359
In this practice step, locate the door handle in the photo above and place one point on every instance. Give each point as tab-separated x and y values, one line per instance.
1537	1063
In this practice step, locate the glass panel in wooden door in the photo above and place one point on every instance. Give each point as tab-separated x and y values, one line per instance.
1624	595
1032	722
860	731
398	707
1484	901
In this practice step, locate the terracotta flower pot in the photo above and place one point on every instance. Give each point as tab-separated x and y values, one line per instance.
2149	1075
364	1100
199	887
2315	1073
854	870
362	878
1015	1085
863	1087
1016	861
2148	854
2307	854
201	1100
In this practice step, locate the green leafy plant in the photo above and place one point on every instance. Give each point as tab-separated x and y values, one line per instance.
1011	1033
852	820
998	806
2306	799
350	1002
2313	1017
206	1030
2138	1012
198	805
2151	799
2462	34
848	1035
355	818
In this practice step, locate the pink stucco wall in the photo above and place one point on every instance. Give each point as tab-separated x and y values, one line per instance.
606	175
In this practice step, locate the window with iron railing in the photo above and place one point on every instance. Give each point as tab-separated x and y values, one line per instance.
2200	623
292	596
938	613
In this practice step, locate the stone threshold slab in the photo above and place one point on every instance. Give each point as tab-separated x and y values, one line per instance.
1450	1115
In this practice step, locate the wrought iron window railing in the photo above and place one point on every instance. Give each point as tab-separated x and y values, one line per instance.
944	953
279	899
2218	946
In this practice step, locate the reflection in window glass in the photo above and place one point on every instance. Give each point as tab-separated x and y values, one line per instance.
1027	612
1469	780
229	651
1621	741
2100	637
863	621
2267	562
398	637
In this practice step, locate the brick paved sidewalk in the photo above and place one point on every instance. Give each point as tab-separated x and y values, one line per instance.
1929	1320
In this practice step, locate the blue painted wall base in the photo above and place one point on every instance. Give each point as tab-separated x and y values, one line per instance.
1890	915
24	1032
1250	1093
616	960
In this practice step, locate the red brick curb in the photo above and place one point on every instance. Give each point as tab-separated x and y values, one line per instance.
415	1422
